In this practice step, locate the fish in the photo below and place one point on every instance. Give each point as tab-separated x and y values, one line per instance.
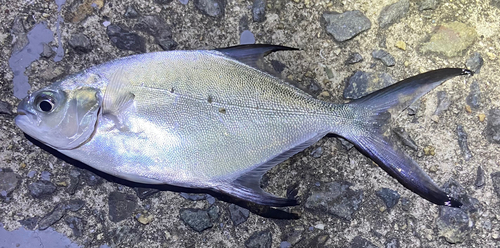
215	120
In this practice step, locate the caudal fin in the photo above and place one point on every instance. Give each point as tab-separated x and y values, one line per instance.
375	109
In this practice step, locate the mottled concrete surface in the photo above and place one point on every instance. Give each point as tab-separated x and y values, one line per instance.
114	215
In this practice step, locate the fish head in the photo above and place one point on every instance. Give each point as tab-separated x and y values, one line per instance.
63	115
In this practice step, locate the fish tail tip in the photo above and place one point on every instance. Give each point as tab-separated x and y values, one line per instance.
452	202
467	72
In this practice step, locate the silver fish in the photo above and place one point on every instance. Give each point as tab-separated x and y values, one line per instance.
210	119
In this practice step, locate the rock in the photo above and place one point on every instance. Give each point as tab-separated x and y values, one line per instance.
47	51
74	205
145	218
462	142
74	181
495	180
5	108
238	214
121	206
363	83
29	223
213	212
124	235
345	26
193	197
392	13
76	224
359	242
413	108
262	239
474	97
278	66
294	235
443	102
392	243
144	193
20	37
453	224
480	177
335	198
427	5
45	176
8	183
405	138
163	2
259	10
247	37
354	58
475	63
52	217
495	3
41	188
450	39
80	10
197	219
386	58
125	40
389	196
213	8
316	153
158	28
131	12
345	143
91	178
492	130
80	43
405	204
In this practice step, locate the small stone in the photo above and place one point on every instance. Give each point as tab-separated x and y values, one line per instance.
29	223
435	118
475	63
443	102
316	153
262	239
401	45
158	28
238	214
144	193
259	10
285	244
145	218
359	241
462	142
45	176
76	224
480	177
429	150
52	217
278	66
386	58
450	39
41	188
193	197
62	184
405	138
427	5
47	51
163	2
345	143
5	108
495	180
80	10
131	12
213	212
453	224
197	219
389	196
392	243
405	204
492	130
346	25
74	205
80	43
491	56
363	83
474	98
125	40
481	117
354	58
121	206
392	13
74	181
8	183
91	178
468	109
213	8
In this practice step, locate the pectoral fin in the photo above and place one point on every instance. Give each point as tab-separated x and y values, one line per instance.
117	97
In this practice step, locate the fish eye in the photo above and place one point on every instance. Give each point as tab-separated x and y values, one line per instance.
45	103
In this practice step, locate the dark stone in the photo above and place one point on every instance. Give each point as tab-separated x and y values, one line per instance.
294	234
316	153
427	5
193	197
197	219
492	130
359	242
475	63
462	142
163	2
386	58
316	241
354	58
5	108
363	83
474	97
214	212
125	40
76	224
405	138
443	102
392	243
405	204
91	178
80	43
121	206
45	176
29	223
495	180
238	214
19	34
413	108
8	183
47	51
389	196
158	28
390	14
345	26
453	224
262	239
144	193
336	199
480	177
213	8
167	44
345	143
124	235
313	87
278	66
41	188
74	181
52	217
259	10
74	205
131	12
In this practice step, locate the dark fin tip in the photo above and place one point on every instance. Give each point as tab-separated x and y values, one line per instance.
452	202
467	72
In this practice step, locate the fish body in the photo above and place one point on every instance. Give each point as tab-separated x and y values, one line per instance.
210	119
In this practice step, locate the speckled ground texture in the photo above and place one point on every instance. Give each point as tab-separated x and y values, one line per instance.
39	190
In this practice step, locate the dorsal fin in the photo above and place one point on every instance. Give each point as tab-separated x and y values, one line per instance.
253	53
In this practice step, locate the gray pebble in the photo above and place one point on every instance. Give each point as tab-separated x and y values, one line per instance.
47	51
405	138
480	177
197	219
29	223
389	196
345	143
453	224
392	13
345	26
495	180
358	242
91	178
80	43
214	212
210	199
386	58
76	225
443	102
474	97
41	188
462	142
131	12
121	206
74	205
363	83
405	204
336	199
262	239
475	63
492	130
354	58
51	218
392	243
5	108
238	214
19	34
495	3
8	183
45	175
213	8
316	153
125	40
159	29
413	108
31	174
278	66
294	235
193	197
259	10
74	181
427	5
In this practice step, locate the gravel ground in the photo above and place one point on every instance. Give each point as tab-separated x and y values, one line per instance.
453	132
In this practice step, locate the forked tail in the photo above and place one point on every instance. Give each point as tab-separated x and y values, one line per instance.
375	109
